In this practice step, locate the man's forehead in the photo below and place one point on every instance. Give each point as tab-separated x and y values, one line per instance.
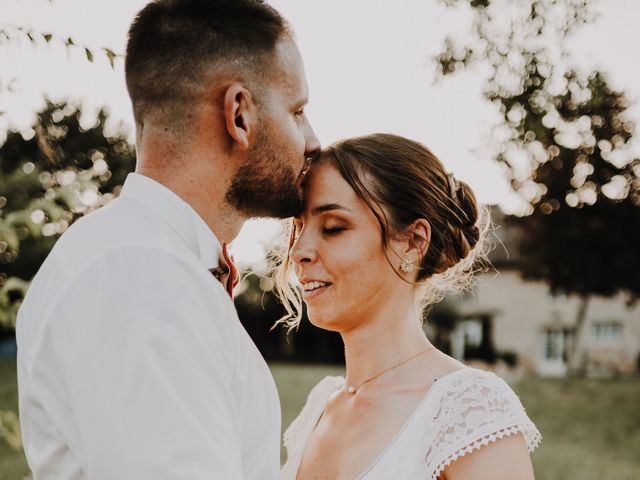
290	68
288	54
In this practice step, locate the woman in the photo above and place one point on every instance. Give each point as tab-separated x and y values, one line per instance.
384	230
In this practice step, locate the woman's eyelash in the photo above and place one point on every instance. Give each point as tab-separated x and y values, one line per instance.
333	230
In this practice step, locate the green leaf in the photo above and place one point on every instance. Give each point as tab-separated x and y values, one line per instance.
89	54
111	55
8	235
47	37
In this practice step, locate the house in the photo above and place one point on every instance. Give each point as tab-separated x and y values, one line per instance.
521	317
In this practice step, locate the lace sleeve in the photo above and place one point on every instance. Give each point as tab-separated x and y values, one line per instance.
476	409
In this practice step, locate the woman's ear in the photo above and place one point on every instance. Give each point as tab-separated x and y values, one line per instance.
417	239
239	114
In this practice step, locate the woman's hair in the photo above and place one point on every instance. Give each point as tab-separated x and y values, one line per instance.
401	181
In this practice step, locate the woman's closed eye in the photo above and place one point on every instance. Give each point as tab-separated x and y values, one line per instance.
333	230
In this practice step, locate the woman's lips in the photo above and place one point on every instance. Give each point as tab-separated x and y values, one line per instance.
311	294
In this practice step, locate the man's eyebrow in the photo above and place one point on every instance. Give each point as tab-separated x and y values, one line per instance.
328	207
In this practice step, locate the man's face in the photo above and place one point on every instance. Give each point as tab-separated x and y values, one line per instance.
268	184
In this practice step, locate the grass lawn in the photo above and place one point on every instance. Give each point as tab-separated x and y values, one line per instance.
591	429
12	464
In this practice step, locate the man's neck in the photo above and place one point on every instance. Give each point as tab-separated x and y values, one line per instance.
207	200
197	168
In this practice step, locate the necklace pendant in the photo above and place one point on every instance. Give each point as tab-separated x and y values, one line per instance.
351	390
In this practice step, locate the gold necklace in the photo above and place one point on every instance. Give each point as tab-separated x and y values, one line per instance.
350	389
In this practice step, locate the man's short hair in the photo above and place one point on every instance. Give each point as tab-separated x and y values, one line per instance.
173	44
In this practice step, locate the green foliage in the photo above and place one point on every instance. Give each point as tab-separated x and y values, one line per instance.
565	142
20	34
51	175
17	35
12	292
583	234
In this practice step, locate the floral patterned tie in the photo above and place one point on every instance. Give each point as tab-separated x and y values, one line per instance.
226	272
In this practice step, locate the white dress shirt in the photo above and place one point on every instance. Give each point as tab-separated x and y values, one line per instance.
132	363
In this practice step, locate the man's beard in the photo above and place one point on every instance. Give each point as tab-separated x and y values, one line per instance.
263	186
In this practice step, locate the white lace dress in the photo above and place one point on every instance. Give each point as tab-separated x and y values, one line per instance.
462	411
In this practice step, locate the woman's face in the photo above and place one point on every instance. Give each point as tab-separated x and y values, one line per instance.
338	253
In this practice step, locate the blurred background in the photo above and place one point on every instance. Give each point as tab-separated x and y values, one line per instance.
534	103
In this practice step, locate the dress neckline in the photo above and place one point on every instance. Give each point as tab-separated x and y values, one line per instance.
395	438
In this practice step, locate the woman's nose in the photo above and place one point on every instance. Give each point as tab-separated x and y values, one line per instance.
303	250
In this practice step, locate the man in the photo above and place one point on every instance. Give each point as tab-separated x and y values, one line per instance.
132	363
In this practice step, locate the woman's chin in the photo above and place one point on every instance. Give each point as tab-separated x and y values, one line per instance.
323	320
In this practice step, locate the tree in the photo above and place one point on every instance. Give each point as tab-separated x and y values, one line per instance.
565	141
12	35
47	179
57	173
44	186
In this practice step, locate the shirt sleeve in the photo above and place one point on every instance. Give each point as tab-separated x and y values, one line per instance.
144	342
476	409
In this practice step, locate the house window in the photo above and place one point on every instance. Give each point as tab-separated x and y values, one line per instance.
607	332
472	333
556	344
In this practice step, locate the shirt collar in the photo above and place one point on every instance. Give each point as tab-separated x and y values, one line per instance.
178	214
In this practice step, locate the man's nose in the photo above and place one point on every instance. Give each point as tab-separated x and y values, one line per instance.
312	144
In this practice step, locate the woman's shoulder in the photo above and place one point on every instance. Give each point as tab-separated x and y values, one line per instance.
475	397
474	408
474	381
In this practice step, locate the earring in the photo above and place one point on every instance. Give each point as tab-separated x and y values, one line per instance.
406	266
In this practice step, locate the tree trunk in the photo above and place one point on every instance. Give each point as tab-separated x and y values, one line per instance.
577	365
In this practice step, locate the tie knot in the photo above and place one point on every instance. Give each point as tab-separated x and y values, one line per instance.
226	272
220	272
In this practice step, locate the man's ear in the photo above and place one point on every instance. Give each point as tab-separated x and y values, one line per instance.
417	239
239	114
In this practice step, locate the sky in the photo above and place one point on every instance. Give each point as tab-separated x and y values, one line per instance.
368	65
